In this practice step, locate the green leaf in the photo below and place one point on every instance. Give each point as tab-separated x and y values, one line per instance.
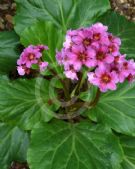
116	109
44	33
8	51
128	144
122	28
126	164
26	101
86	96
64	14
13	145
92	94
63	145
89	94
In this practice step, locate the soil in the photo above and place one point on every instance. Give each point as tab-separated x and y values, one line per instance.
7	11
16	165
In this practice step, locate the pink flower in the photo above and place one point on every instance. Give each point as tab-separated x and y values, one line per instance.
114	39
116	66
31	55
43	66
59	57
119	59
95	48
84	38
123	68
67	58
70	73
72	32
68	42
127	69
81	57
99	27
22	70
131	78
102	56
113	49
103	79
41	47
100	34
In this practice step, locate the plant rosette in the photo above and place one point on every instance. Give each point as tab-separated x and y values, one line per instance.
67	91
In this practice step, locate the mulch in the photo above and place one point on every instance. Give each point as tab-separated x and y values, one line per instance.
8	9
125	7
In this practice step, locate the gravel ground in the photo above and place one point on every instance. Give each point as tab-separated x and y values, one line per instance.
125	7
8	8
7	11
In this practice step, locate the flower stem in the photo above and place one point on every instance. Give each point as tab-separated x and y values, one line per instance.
79	105
81	82
88	104
65	89
95	101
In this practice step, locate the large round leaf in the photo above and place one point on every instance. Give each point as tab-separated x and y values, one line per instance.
25	101
44	33
128	144
63	13
13	145
8	51
126	164
61	145
121	27
117	109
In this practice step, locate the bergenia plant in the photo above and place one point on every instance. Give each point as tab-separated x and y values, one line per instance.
67	87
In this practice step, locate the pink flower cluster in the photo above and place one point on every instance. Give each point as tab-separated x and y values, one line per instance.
97	50
31	55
